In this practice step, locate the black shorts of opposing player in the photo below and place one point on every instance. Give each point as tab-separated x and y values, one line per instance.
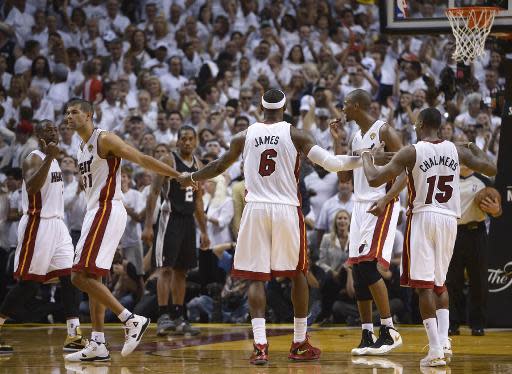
365	274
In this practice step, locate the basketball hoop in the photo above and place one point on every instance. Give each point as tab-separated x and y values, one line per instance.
470	26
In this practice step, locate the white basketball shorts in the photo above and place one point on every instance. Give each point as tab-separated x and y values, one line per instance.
102	230
428	248
271	242
44	249
371	238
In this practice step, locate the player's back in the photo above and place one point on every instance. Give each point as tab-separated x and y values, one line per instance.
433	183
48	202
101	177
271	164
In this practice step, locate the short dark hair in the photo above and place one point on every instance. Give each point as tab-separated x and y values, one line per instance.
361	97
15	173
273	95
431	117
40	125
175	112
85	106
186	128
242	118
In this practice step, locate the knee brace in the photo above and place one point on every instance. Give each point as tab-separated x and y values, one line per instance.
368	270
360	285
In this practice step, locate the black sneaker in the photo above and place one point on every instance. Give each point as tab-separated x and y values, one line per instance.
5	349
388	340
477	332
368	338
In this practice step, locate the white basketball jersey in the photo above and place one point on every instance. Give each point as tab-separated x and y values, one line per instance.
48	202
362	190
434	181
101	177
271	164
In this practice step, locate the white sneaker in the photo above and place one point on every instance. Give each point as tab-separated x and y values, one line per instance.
388	340
93	351
447	350
368	338
433	358
86	368
134	328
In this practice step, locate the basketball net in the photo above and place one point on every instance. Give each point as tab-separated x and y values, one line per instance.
470	26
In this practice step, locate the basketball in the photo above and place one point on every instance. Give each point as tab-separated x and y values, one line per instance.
491	192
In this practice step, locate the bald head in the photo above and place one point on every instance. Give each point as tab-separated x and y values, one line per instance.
360	97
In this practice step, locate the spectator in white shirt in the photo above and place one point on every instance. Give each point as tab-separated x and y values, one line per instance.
413	80
58	93
158	65
131	242
173	81
146	110
20	20
114	21
219	211
40	73
75	204
321	186
39	30
30	52
344	199
468	117
42	108
69	140
162	133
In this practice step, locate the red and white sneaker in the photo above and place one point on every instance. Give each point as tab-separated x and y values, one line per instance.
260	354
304	351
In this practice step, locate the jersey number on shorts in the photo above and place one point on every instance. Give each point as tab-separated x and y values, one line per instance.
87	181
445	190
189	194
267	164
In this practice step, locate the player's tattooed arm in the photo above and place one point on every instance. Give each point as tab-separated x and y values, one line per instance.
405	158
219	165
111	145
476	159
35	169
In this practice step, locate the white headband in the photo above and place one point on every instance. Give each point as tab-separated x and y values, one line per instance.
277	105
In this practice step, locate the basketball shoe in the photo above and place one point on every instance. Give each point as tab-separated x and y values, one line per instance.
435	357
259	355
164	324
304	351
5	348
447	350
93	352
75	343
183	327
368	338
388	340
134	328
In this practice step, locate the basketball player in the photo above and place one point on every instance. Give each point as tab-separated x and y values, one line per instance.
44	249
371	238
432	167
175	248
99	159
272	241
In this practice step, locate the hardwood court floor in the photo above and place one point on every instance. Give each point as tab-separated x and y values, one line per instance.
226	348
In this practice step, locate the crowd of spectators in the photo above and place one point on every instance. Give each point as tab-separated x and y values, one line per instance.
151	67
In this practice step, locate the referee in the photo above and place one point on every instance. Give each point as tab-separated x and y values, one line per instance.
470	254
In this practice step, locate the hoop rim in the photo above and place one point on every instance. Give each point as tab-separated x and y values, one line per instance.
465	11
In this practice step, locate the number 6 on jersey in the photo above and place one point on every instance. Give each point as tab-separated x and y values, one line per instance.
267	163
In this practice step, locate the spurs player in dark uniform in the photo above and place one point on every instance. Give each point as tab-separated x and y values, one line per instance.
174	250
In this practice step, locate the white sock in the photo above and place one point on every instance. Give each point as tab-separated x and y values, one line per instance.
433	337
2	320
387	322
367	326
72	324
258	330
98	337
300	326
124	315
443	324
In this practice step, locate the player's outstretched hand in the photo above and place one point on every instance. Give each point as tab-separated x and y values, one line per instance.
377	208
50	149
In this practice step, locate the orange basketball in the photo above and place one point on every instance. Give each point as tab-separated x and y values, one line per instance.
491	192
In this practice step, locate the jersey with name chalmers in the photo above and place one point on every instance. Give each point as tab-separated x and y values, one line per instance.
438	161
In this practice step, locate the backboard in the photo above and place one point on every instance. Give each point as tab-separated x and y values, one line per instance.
428	16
